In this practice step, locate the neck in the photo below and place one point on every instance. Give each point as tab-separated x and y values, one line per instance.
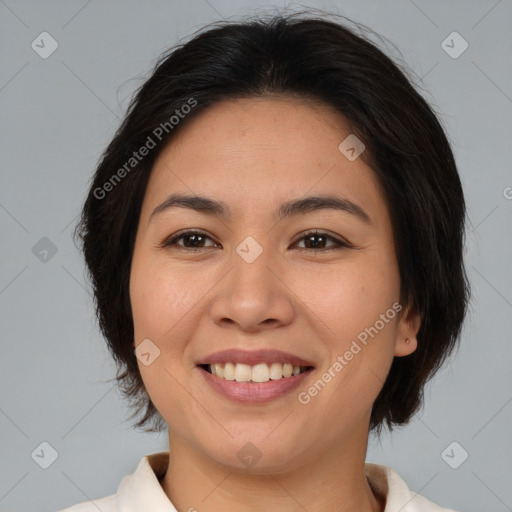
334	480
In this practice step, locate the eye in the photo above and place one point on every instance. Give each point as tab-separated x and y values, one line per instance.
195	239
310	236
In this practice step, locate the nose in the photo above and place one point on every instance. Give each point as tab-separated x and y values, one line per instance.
253	296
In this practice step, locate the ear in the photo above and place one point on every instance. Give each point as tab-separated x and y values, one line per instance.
408	327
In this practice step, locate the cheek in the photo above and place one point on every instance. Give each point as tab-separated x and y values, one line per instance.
350	297
357	305
166	302
160	297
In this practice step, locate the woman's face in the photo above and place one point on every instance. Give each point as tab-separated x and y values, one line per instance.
252	281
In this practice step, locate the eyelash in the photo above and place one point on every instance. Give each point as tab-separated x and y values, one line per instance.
340	244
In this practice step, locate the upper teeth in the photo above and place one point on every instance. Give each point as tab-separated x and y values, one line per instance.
258	373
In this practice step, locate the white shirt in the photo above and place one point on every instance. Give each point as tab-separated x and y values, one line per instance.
141	491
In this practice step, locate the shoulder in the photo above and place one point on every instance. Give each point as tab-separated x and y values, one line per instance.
106	504
386	482
138	490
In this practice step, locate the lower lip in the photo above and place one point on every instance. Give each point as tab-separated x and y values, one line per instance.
254	392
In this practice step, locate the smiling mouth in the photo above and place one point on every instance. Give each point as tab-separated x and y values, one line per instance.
262	372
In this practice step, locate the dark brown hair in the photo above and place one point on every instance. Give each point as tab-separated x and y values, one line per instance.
319	60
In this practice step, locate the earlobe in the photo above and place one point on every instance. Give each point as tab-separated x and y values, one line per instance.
405	346
409	326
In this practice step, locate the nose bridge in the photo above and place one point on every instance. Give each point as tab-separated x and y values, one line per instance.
253	292
251	261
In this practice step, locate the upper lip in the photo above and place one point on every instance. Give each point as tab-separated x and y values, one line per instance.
254	357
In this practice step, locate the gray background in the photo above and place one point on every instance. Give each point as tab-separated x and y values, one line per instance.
57	115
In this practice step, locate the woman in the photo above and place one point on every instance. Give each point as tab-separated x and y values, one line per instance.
275	242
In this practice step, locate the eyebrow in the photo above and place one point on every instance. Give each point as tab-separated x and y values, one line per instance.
290	208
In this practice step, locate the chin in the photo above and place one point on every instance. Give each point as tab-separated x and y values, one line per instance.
258	454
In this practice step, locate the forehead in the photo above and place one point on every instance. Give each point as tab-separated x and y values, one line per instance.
251	153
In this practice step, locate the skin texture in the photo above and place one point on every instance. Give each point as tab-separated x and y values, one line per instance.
312	302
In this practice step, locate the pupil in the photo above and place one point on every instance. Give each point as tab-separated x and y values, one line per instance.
314	236
189	237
